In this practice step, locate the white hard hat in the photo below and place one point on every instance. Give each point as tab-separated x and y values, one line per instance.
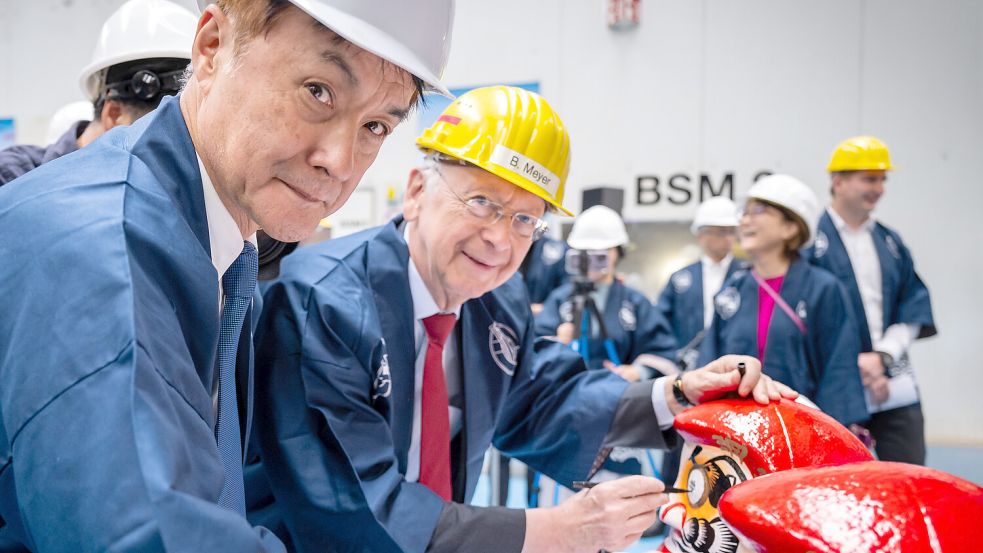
65	117
792	194
715	212
139	29
414	35
598	228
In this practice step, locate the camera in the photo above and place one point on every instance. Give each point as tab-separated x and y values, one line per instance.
580	263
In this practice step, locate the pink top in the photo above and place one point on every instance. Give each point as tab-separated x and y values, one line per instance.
766	306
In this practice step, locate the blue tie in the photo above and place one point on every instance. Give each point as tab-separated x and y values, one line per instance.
238	285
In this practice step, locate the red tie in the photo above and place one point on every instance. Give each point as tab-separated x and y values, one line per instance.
435	425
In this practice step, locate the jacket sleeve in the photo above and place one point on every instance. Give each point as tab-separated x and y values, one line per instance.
666	304
549	318
839	392
558	414
915	304
653	335
327	449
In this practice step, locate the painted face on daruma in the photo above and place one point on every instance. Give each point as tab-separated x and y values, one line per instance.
735	440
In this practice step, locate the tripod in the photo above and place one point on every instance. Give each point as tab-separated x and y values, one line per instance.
584	310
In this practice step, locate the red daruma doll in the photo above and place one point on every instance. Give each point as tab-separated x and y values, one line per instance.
731	441
870	507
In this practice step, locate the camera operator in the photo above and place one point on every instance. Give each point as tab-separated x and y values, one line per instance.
625	333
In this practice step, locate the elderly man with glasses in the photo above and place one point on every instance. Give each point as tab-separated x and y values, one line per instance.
391	359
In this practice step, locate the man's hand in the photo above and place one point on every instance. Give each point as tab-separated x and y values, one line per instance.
628	372
722	377
564	333
879	389
871	367
611	515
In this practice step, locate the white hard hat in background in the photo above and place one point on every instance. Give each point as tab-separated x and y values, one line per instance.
65	117
598	228
792	194
414	35
139	29
715	212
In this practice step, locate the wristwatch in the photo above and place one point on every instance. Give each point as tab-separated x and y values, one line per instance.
677	392
886	359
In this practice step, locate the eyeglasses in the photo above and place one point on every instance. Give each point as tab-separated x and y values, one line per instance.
523	224
753	209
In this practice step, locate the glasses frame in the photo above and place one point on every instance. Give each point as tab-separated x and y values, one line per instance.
498	211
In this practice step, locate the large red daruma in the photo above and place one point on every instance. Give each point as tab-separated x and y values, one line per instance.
858	508
731	441
771	438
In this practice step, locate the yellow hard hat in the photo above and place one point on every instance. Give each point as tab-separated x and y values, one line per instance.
860	153
510	132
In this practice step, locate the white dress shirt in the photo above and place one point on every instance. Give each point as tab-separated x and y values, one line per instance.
224	237
714	274
224	240
895	341
423	307
860	249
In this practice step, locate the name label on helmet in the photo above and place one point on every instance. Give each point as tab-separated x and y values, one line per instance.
526	168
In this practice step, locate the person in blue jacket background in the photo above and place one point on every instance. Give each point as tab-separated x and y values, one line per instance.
638	337
389	361
887	297
543	271
687	299
125	366
145	42
791	315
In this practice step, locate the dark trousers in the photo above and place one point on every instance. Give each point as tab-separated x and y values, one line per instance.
899	434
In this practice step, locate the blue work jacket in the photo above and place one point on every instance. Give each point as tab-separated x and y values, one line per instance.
544	269
820	364
335	385
632	323
108	340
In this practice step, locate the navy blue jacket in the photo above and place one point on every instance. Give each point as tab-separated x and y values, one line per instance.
19	159
632	322
681	301
107	352
822	364
335	385
905	297
544	269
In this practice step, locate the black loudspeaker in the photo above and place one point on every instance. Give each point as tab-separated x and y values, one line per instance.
604	195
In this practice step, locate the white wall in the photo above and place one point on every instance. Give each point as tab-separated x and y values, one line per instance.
700	87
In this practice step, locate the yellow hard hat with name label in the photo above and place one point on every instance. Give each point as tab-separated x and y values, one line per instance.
510	132
860	153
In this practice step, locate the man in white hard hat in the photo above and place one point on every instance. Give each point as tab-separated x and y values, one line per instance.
143	49
890	302
687	300
126	374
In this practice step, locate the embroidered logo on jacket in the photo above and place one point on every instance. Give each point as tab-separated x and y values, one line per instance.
503	344
727	302
566	312
892	246
821	244
382	386
681	281
800	310
626	315
552	252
